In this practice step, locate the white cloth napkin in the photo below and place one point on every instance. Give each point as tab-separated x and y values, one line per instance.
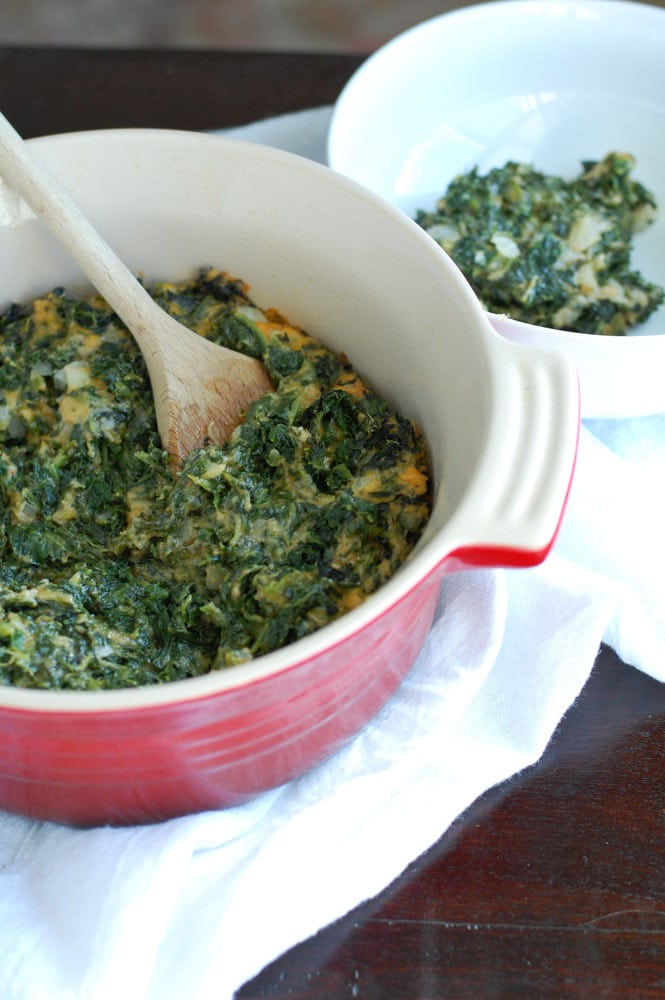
195	907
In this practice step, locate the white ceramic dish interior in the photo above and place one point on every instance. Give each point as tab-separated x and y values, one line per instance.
535	81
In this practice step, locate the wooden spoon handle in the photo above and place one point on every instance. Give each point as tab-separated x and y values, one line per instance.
201	390
108	274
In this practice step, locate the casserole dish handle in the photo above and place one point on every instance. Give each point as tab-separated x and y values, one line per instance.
516	501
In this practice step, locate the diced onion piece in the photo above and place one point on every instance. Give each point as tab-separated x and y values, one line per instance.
75	375
586	232
252	313
506	245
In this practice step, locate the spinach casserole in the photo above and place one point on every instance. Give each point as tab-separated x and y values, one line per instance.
118	570
550	251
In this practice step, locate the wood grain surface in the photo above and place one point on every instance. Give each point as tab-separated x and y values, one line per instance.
550	886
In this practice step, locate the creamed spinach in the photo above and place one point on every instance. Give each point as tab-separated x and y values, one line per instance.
117	569
551	251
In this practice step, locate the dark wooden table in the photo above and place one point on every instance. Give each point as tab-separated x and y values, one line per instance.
551	885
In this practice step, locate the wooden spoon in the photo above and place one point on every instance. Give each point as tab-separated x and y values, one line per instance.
201	390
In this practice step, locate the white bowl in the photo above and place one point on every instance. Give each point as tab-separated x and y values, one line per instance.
549	83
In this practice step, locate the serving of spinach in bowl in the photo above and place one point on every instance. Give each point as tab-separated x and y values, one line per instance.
548	250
